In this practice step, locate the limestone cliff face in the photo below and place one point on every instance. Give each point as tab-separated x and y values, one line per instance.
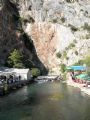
13	36
56	26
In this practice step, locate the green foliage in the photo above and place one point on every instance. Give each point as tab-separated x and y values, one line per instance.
63	68
86	27
74	41
67	58
66	48
71	1
15	59
64	54
76	52
54	21
87	61
80	62
63	19
73	28
59	55
71	45
88	36
19	65
84	61
35	72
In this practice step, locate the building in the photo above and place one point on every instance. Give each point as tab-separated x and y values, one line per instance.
24	74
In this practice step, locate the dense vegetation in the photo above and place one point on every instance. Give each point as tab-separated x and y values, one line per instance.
35	72
15	59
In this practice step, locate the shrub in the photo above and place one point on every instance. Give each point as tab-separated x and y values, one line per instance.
88	36
76	52
80	62
35	72
65	54
86	27
63	68
73	28
58	55
54	21
75	41
63	19
67	58
71	45
71	1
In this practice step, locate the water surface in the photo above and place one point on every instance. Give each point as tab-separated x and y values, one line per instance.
47	101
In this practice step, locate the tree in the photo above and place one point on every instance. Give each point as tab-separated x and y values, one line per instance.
16	59
63	68
35	72
58	55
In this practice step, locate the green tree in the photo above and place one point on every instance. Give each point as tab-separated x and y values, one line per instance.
16	59
35	72
59	55
63	68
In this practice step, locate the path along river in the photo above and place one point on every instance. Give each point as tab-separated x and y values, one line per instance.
46	101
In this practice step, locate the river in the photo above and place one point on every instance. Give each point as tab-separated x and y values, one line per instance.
46	101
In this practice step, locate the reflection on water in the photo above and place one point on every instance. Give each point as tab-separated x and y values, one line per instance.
47	101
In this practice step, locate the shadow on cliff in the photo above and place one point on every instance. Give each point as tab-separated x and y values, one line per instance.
12	36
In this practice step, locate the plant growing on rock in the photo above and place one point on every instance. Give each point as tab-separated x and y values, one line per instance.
64	54
73	28
80	62
63	19
59	55
71	45
86	27
76	52
71	1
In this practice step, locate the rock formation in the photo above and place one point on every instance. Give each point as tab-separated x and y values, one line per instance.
53	25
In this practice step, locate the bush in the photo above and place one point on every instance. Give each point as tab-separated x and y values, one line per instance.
76	52
86	27
75	41
63	19
80	62
73	28
71	45
35	72
70	1
63	68
58	55
88	36
64	54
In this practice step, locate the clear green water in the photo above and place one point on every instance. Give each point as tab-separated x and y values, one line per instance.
47	101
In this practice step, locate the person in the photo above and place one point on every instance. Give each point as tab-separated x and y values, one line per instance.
19	77
72	75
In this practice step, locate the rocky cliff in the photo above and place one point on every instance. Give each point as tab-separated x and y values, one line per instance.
54	26
13	36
